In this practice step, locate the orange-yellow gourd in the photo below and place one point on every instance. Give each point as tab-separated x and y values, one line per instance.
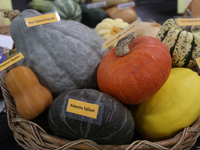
31	98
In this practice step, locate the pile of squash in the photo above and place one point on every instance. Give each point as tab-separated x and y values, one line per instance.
135	84
78	10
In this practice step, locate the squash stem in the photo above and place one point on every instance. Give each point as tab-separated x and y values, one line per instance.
10	14
122	47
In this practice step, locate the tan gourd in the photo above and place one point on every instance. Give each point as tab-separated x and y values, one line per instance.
127	15
148	29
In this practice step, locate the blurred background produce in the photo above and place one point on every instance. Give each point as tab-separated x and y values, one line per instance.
81	12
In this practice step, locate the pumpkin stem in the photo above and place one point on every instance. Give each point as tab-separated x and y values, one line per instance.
11	14
122	47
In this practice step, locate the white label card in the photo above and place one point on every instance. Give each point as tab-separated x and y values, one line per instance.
126	5
6	41
96	5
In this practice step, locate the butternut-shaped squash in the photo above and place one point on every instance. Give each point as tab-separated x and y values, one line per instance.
31	98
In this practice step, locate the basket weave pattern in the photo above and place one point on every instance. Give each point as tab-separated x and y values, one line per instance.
30	135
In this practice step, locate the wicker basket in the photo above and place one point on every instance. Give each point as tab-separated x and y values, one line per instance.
30	135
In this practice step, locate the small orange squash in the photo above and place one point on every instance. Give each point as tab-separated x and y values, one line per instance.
31	98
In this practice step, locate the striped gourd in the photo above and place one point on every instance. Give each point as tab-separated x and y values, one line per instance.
183	45
67	9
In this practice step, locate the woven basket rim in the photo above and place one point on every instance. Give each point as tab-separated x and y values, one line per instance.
26	133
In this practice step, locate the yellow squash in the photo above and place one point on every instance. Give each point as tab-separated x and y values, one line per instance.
105	27
175	106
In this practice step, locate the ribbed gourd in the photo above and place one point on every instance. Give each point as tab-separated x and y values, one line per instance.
67	9
105	27
183	45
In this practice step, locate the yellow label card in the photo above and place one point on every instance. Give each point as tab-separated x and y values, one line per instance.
188	21
115	30
198	61
82	108
11	61
42	19
121	34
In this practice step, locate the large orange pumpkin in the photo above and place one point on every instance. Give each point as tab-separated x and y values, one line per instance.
136	76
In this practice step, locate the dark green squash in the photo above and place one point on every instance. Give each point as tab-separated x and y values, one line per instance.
117	126
91	17
64	55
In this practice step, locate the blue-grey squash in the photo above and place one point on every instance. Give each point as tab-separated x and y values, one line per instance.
116	126
64	55
91	17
